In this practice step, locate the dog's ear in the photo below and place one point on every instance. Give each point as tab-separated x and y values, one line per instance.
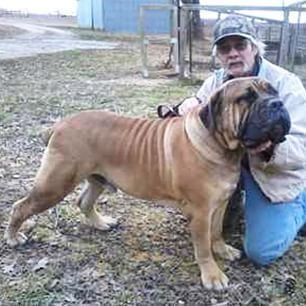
205	116
266	86
210	111
271	90
250	96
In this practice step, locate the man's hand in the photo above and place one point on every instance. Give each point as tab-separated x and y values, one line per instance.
187	105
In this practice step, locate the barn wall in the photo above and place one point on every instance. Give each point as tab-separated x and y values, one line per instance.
122	16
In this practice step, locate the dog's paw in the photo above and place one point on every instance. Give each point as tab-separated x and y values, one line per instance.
214	278
15	240
232	253
109	222
226	251
28	225
102	223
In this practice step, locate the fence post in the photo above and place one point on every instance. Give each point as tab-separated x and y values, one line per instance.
174	40
144	43
183	40
283	54
295	40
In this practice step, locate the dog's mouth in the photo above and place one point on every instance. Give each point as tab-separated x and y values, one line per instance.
257	148
266	126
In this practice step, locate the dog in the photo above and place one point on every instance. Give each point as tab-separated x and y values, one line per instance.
192	160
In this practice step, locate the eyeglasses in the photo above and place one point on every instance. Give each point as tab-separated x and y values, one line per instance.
226	48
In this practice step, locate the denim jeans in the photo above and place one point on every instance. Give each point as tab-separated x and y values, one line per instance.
270	227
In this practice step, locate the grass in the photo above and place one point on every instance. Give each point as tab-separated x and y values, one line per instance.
31	290
88	34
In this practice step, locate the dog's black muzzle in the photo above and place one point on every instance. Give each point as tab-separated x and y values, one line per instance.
268	120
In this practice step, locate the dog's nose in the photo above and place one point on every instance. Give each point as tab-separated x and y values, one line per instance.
276	104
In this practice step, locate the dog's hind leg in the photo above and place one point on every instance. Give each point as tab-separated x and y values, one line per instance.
218	244
54	180
94	186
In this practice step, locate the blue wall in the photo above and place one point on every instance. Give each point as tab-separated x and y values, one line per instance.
84	14
98	14
122	15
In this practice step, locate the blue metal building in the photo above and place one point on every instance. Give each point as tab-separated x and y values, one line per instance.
122	16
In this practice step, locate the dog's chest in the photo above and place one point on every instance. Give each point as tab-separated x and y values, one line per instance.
227	190
224	184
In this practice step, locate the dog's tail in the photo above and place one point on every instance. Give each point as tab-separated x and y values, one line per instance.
46	135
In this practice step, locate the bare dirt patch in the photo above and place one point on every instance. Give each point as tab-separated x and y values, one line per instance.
9	31
148	259
35	39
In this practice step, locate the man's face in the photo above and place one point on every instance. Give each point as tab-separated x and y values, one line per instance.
237	55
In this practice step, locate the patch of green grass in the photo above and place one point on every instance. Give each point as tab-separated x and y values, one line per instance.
88	34
5	116
8	105
31	290
125	297
137	100
68	212
78	80
42	233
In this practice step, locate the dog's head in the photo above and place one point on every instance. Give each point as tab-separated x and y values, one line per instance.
246	112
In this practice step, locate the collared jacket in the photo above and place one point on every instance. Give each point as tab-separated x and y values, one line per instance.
284	176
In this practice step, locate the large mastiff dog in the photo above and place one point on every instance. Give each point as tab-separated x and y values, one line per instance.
192	160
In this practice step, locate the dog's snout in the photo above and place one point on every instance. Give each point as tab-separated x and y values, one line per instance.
276	104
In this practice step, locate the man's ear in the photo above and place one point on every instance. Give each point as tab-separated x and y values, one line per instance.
255	49
214	51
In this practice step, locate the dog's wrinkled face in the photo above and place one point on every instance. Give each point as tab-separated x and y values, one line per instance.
268	119
246	112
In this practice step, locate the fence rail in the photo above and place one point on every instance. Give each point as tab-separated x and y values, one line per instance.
284	41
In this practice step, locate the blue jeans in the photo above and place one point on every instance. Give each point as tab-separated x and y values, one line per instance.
270	227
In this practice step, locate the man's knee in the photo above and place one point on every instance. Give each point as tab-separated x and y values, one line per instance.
257	255
264	253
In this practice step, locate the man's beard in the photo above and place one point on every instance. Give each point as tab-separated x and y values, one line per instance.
245	71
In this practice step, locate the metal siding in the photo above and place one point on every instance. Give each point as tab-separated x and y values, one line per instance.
98	14
84	14
122	16
157	21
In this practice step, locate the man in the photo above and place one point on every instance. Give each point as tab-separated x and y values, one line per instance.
275	204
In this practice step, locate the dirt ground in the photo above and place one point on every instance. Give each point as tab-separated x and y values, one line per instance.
28	37
148	259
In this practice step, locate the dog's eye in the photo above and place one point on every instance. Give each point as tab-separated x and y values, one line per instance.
249	96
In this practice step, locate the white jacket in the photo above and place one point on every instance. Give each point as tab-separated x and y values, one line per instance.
284	177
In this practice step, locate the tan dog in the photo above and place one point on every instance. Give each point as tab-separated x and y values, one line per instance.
192	160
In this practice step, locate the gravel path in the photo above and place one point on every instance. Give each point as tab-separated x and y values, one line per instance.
38	39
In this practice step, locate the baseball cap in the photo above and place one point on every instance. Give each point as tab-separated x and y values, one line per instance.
234	25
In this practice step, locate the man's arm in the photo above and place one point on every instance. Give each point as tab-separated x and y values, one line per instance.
201	97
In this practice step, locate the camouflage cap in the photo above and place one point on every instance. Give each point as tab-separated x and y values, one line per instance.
234	25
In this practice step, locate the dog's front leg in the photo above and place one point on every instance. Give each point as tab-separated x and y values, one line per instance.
211	275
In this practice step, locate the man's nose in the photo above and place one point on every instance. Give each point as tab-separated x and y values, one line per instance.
233	52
